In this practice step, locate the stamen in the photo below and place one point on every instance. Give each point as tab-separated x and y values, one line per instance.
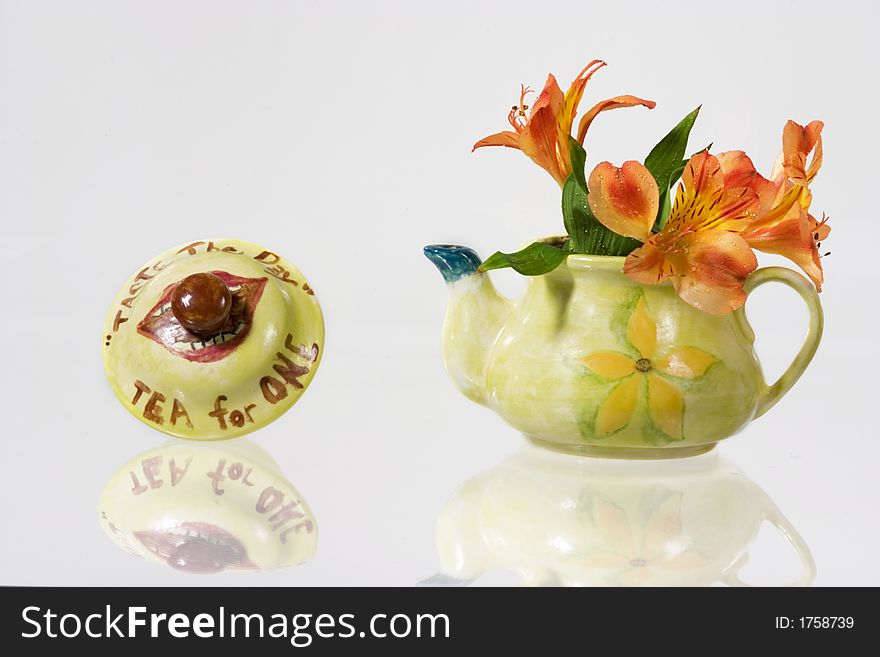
517	116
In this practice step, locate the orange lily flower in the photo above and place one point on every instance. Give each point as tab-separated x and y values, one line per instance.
542	132
797	236
699	249
783	224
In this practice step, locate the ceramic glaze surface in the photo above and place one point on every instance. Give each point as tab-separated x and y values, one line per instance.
254	367
588	361
561	520
208	509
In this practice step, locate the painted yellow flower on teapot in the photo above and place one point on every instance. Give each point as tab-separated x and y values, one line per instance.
651	370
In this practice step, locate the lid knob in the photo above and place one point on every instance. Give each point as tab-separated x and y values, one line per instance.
201	303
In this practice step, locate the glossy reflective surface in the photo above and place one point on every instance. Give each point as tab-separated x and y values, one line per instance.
208	509
556	519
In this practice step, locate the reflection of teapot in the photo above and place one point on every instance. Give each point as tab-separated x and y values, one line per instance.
557	519
207	508
589	362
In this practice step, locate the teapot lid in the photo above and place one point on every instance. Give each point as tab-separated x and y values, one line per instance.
213	339
208	508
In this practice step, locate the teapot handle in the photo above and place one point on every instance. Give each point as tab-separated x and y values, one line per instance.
773	393
773	515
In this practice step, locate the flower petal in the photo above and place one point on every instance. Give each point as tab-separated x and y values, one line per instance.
506	138
609	364
605	561
662	527
617	409
685	362
785	206
703	202
796	237
666	406
641	329
573	98
797	143
739	171
625	200
816	162
703	175
538	138
609	104
707	268
683	561
820	229
614	527
710	272
637	576
648	264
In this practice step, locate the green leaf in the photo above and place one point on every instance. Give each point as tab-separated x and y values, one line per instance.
576	214
667	156
578	161
536	259
596	239
586	233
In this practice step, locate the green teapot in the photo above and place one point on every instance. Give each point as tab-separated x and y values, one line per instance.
589	362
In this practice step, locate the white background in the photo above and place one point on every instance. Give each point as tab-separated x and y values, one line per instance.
339	135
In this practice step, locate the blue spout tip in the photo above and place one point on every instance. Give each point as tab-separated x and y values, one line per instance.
454	262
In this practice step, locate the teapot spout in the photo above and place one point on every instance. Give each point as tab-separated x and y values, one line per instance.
452	261
474	317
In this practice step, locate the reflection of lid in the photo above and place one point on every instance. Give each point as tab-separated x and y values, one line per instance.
208	508
259	337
